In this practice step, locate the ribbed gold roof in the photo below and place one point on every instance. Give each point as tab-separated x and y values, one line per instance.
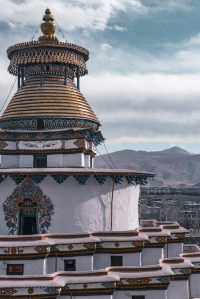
51	98
46	71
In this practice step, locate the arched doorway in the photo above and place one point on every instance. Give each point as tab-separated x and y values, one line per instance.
28	218
27	210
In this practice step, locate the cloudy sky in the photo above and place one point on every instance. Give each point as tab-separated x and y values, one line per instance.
144	69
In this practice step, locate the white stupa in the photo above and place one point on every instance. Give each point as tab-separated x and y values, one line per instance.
68	229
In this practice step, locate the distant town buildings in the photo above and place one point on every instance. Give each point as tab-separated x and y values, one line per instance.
172	204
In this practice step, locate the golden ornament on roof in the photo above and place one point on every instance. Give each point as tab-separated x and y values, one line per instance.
48	26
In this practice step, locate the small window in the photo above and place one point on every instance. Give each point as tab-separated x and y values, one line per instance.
40	161
40	124
138	297
15	269
116	261
70	265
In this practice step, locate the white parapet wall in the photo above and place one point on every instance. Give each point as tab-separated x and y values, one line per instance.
148	294
103	260
53	160
178	289
89	207
151	256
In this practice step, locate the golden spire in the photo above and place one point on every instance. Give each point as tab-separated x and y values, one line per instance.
48	26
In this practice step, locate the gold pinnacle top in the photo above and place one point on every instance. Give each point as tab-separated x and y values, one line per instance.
48	26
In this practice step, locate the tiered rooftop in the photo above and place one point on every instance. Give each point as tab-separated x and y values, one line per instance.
46	70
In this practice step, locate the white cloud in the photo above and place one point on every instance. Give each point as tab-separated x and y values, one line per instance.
142	86
85	14
118	28
106	47
168	4
146	108
182	57
91	14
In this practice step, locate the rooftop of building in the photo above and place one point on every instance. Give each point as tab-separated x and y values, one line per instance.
47	92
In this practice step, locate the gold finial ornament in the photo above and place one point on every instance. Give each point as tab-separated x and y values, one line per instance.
48	26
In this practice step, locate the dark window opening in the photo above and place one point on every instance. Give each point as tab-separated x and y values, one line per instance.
40	124
116	261
70	265
138	297
47	68
15	269
28	218
40	161
91	161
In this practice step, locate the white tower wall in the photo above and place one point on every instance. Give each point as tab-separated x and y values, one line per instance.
88	207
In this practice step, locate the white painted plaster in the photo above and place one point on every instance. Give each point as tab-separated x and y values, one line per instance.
31	267
10	161
195	285
55	160
52	264
125	207
149	294
83	263
25	161
151	256
102	260
87	208
173	250
87	161
92	162
73	160
178	289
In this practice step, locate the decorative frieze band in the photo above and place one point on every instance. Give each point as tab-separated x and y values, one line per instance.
55	123
80	178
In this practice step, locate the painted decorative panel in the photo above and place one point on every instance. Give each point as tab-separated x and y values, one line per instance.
40	145
28	189
74	143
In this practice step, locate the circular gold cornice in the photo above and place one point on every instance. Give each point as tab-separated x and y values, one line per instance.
47	50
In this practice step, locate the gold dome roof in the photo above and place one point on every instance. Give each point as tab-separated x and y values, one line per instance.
46	71
50	99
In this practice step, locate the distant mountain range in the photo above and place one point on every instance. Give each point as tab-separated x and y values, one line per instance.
173	166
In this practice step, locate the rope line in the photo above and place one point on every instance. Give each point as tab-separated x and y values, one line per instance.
14	81
109	155
8	95
102	157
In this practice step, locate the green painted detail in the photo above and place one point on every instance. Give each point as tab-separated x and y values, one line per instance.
59	178
18	178
38	178
118	179
101	179
82	179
